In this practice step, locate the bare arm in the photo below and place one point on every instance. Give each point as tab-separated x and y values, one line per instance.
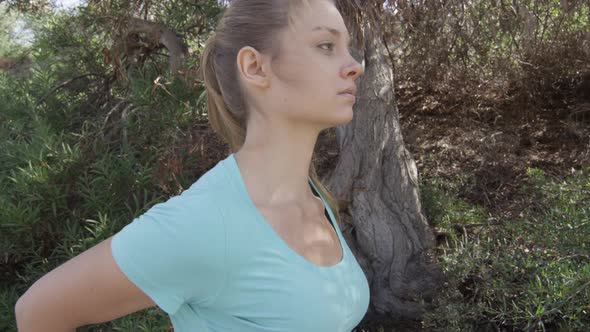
88	289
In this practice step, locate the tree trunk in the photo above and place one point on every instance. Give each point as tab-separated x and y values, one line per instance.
376	182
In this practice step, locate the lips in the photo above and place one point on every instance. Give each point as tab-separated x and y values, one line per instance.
351	90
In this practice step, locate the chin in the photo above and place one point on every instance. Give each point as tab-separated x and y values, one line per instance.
342	116
336	116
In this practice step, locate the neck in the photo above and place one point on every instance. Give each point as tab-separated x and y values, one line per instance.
275	160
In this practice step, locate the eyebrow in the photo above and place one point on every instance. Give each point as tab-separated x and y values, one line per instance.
333	31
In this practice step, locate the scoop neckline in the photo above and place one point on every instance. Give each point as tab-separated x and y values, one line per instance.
238	180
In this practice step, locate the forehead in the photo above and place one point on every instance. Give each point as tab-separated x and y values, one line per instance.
314	14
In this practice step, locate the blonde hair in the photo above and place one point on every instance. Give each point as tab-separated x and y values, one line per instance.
252	23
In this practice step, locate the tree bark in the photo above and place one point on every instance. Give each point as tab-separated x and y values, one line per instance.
376	182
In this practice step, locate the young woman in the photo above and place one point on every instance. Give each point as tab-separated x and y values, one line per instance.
253	244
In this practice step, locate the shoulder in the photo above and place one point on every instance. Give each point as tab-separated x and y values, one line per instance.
197	210
205	196
176	251
179	220
210	191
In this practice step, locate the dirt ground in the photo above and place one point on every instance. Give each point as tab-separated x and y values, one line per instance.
495	145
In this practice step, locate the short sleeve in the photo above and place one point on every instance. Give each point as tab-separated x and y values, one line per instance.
175	251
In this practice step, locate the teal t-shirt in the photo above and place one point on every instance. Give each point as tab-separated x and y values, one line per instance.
209	260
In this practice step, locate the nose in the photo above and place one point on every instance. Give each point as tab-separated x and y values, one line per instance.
355	69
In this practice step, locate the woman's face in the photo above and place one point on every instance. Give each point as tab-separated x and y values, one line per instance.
313	68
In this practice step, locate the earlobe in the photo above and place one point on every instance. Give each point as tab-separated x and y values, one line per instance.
250	66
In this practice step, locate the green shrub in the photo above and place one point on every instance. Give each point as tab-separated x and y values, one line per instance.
530	274
74	168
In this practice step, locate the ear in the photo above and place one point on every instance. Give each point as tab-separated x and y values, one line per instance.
252	67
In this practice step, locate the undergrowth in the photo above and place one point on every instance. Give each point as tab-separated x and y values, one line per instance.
531	273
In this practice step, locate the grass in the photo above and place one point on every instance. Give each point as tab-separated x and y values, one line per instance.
527	274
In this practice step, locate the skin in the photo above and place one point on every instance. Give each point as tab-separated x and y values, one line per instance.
290	101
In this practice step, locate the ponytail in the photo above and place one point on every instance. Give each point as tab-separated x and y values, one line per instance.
225	123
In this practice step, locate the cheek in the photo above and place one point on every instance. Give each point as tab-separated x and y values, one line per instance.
310	84
306	83
291	67
305	68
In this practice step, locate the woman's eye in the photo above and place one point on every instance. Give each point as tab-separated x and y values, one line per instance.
327	44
